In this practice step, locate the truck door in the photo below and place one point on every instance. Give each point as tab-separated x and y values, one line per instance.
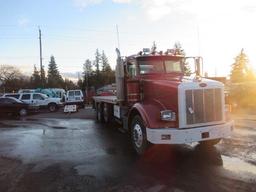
38	99
26	97
132	83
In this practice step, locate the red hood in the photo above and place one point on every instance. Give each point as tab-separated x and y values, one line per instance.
162	89
168	80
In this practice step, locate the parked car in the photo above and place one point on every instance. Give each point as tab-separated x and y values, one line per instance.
75	97
13	106
37	99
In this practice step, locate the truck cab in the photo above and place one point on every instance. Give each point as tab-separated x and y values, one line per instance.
157	103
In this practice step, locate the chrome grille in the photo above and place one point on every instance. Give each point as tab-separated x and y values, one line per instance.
203	105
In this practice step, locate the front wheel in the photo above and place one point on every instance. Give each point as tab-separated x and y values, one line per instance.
138	135
210	142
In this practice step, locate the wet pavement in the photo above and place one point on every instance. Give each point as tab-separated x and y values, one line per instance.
68	154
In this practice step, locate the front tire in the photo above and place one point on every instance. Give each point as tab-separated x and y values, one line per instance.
138	135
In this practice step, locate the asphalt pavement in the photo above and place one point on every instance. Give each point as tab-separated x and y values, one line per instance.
71	152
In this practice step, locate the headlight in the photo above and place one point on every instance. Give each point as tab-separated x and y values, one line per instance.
168	115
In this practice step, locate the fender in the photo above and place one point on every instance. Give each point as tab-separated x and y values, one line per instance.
139	108
150	113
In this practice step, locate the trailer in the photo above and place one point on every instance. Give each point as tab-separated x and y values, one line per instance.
157	103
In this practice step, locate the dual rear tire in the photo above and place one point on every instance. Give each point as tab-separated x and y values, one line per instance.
104	112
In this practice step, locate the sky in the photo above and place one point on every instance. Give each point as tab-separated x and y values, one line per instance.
73	29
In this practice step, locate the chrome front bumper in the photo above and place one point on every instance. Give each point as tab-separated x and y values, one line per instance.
182	136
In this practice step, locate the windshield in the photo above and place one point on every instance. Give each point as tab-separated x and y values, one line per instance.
160	66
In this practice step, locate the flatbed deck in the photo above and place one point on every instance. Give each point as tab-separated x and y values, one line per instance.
106	99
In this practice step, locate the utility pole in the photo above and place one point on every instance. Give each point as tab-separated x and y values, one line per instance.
41	59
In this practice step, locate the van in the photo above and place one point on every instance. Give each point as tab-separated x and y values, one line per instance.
75	97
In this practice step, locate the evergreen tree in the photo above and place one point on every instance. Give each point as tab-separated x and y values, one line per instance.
105	64
180	51
87	67
68	84
80	84
43	78
240	70
187	70
35	78
54	77
97	61
87	73
251	75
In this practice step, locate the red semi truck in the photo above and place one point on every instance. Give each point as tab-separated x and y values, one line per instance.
156	103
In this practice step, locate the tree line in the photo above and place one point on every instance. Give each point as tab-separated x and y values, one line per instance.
96	73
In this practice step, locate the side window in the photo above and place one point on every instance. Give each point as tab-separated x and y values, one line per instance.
131	69
15	96
25	97
71	93
77	93
38	97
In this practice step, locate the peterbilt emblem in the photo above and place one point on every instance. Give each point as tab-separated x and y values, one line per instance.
191	111
202	84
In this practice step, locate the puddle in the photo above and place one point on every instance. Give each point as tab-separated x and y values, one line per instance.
4	125
238	165
58	127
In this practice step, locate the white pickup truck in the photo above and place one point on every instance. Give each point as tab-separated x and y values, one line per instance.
37	99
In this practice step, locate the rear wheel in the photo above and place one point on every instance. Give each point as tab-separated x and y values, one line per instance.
107	112
23	112
99	113
52	107
210	142
138	135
